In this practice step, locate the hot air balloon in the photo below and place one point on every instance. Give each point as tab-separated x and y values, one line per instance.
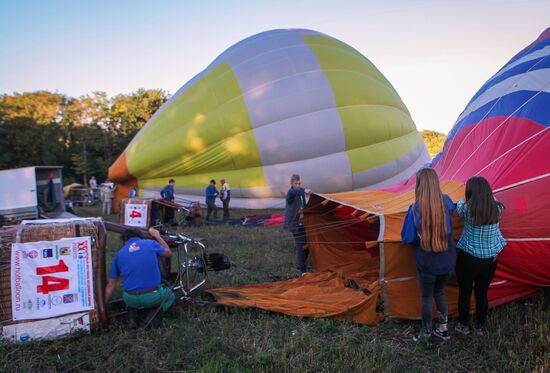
275	104
503	135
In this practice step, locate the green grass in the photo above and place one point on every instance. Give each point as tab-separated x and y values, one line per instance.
216	339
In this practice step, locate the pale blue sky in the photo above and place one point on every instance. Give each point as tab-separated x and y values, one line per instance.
437	54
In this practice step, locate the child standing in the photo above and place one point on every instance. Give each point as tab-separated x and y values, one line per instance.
479	246
428	226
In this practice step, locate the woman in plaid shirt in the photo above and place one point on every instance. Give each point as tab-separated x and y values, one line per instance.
479	246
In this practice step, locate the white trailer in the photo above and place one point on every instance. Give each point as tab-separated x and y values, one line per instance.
30	192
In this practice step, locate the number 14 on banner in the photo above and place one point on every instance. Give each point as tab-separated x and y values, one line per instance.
52	283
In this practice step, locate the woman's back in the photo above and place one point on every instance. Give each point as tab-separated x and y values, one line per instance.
481	241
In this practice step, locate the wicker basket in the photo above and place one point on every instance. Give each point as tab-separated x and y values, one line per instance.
51	232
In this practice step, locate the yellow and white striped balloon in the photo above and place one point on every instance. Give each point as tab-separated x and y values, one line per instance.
277	103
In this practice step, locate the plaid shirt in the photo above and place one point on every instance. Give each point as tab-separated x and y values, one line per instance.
483	241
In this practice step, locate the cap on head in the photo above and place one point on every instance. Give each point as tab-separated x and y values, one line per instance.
212	181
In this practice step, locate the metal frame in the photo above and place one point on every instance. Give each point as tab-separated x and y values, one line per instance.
192	271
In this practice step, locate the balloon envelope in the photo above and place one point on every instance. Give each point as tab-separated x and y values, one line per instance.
503	135
275	104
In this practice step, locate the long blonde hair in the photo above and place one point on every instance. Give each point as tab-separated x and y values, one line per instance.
431	207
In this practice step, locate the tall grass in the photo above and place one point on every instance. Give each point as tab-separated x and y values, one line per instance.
217	339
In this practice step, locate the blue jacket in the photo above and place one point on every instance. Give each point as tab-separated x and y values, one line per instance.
167	193
211	192
428	261
295	202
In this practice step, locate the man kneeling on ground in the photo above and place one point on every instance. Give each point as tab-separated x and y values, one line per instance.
137	264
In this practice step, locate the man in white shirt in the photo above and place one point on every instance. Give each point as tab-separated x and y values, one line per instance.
225	196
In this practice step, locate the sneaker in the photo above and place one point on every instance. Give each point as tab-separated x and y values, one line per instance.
441	334
463	329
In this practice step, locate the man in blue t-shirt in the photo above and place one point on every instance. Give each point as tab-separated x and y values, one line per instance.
137	264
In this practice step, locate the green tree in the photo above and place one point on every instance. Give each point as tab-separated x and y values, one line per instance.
85	120
84	134
129	113
27	144
42	107
434	141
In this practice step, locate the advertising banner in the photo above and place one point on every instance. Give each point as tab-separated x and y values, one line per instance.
49	329
135	215
51	278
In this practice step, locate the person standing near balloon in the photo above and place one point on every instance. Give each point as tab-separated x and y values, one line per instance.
167	194
93	183
427	225
93	187
225	196
211	193
479	246
294	204
107	193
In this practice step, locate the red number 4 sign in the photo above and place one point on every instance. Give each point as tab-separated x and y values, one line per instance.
52	283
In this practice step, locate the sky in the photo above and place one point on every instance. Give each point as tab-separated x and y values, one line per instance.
436	53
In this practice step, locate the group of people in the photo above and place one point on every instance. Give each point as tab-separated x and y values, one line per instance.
428	227
224	193
211	193
105	193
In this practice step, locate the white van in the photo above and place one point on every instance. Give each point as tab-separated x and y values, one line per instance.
31	192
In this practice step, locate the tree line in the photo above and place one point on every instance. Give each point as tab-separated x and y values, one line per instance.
84	134
434	141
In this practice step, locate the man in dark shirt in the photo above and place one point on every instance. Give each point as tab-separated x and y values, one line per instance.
211	193
167	194
137	264
294	205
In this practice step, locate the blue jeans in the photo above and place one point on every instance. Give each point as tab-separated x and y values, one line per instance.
432	288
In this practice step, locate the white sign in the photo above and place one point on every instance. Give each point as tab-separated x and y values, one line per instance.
135	215
51	278
48	329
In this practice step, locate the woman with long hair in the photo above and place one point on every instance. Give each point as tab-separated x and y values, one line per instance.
427	225
479	245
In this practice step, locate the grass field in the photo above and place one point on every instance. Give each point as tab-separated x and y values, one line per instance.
208	339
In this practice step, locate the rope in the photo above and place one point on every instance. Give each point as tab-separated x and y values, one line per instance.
492	132
512	149
486	114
